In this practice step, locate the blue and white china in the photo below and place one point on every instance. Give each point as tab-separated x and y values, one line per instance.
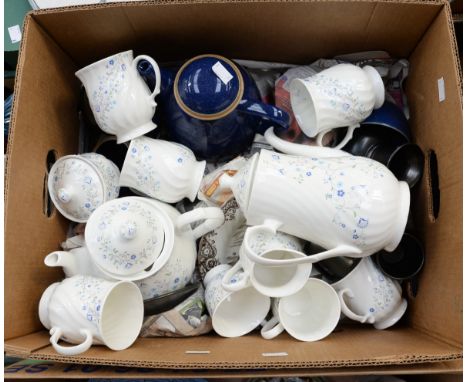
132	238
350	206
86	310
178	270
214	107
370	297
233	314
270	281
163	170
343	95
120	100
76	261
78	184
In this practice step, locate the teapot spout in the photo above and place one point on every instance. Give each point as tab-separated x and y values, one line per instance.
63	259
302	150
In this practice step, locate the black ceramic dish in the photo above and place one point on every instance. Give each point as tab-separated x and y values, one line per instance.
405	262
169	300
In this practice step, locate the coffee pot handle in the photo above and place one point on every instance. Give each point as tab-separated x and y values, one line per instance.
267	112
346	139
271	329
213	217
368	318
299	149
56	333
244	282
157	72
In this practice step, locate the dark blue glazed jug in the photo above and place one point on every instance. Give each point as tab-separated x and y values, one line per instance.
212	106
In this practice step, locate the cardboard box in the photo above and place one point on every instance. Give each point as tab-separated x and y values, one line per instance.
58	42
43	370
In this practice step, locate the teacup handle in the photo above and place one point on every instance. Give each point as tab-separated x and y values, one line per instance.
213	217
346	139
243	283
56	333
157	73
368	318
272	329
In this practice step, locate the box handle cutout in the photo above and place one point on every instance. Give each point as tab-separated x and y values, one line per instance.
434	191
47	205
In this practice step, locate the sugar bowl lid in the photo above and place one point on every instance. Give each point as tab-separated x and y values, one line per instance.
126	236
75	187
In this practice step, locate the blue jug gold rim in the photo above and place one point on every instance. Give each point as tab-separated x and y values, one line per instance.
213	116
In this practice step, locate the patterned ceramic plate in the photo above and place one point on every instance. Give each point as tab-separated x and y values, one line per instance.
221	246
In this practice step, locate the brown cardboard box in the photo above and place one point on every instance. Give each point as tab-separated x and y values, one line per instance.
58	42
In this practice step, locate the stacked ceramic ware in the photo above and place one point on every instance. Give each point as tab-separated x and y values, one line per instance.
309	218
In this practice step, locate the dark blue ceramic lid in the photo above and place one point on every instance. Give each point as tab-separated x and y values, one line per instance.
208	87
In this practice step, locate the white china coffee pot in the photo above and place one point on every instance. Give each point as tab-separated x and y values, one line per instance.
351	206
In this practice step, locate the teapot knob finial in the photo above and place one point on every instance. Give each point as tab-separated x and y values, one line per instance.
128	230
64	195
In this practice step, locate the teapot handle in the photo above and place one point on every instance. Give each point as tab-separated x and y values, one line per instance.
213	217
346	139
268	112
157	73
368	318
299	149
56	333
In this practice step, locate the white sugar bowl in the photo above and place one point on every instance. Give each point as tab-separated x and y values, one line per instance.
78	184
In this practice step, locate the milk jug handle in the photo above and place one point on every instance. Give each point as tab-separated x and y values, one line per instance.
346	139
157	73
368	318
271	329
56	333
238	285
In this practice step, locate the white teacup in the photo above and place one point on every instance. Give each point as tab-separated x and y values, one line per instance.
163	170
368	296
85	310
342	95
233	314
311	314
272	281
121	102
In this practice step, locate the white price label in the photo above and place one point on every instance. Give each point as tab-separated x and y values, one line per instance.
222	73
15	34
441	86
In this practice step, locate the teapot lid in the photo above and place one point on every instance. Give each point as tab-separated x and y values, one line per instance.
76	187
125	236
208	87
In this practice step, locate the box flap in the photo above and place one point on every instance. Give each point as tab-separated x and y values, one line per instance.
185	29
51	370
351	346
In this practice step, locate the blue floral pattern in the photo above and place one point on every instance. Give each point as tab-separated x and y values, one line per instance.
146	177
119	259
111	83
348	198
108	171
90	291
72	174
341	97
